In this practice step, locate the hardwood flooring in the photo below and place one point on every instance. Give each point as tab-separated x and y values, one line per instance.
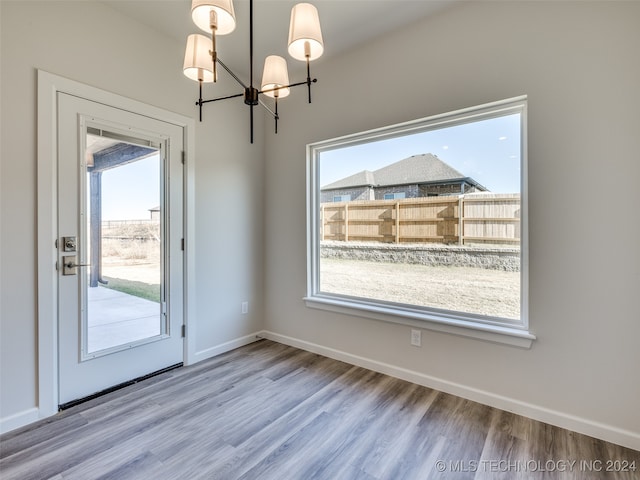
269	411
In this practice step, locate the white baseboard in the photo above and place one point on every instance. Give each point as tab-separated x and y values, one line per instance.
19	419
584	426
224	347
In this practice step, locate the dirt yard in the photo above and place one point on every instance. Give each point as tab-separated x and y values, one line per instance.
131	260
474	290
137	272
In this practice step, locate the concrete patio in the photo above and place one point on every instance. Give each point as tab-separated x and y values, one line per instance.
117	318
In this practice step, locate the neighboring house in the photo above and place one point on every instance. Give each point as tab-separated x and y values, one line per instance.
417	176
155	213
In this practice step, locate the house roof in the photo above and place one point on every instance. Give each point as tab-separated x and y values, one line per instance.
364	178
417	169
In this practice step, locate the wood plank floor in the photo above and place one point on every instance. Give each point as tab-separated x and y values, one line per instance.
269	411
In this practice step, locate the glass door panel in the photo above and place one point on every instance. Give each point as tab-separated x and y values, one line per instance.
124	281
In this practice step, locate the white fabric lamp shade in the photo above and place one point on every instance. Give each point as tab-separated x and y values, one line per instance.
198	64
224	9
275	75
305	28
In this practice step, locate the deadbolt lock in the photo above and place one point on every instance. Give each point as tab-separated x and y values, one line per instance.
69	244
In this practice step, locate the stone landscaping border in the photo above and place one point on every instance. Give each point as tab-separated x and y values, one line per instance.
492	258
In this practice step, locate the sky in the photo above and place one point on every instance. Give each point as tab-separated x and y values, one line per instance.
487	151
129	191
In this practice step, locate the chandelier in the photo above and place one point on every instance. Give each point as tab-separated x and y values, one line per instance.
217	17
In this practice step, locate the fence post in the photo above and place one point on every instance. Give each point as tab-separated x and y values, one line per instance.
397	222
461	220
346	222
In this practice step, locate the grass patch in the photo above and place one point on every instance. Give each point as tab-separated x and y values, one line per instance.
148	291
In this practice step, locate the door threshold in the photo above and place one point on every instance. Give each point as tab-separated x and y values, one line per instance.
120	386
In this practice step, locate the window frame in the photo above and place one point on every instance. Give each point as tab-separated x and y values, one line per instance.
395	196
494	329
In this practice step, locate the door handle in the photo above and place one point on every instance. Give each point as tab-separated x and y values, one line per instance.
69	267
74	265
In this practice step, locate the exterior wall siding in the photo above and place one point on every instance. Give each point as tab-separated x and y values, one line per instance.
445	189
361	193
410	191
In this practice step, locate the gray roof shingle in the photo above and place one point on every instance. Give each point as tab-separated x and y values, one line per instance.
416	169
361	179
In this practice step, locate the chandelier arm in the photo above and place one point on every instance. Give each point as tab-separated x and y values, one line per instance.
221	98
251	119
309	78
268	109
291	85
236	78
275	115
214	54
199	102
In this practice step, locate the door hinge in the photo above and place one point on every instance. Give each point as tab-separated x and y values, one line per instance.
184	331
182	244
184	157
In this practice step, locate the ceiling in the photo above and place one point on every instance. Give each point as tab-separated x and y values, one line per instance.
345	24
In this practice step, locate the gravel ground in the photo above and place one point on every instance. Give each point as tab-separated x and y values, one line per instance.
473	290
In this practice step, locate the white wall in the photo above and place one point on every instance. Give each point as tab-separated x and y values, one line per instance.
578	64
94	44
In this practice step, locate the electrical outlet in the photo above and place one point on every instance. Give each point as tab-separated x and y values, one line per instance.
244	307
416	338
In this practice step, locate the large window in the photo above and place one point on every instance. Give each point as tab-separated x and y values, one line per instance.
425	223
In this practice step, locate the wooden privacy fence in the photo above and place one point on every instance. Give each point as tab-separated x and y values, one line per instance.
465	219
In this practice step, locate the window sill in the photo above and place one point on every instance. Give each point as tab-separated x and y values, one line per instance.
504	334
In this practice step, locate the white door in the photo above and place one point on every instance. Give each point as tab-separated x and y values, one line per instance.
120	262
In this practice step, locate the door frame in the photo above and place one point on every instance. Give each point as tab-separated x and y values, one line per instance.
47	170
